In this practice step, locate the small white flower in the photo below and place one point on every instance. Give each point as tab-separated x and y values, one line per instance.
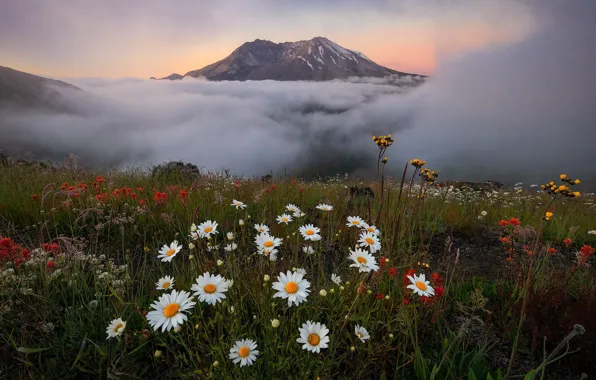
323	293
298	214
301	271
266	278
324	207
285	218
310	232
261	228
308	249
275	323
370	241
165	283
169	310
238	204
193	227
371	229
266	241
230	235
231	247
313	336
207	229
167	253
292	207
364	261
115	328
210	289
291	286
361	333
241	222
336	279
592	232
244	352
420	286
220	263
191	246
483	213
354	221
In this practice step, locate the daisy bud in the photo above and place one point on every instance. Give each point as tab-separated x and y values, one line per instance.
347	282
232	309
215	363
331	290
230	235
219	263
191	246
248	217
266	278
177	329
193	228
294	269
254	316
146	249
323	293
390	335
352	348
386	260
275	323
197	326
387	297
157	354
191	257
341	288
369	291
177	234
241	222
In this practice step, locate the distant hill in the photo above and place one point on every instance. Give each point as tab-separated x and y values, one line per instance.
318	59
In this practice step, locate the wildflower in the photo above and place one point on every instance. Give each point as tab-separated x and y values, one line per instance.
157	354
352	348
420	286
238	204
503	223
548	215
167	253
165	283
115	328
240	222
335	279
406	301
483	213
514	222
505	240
219	262
261	228
371	229
308	249
387	297
552	251
363	261
354	221
266	278
292	207
266	241
210	289
285	218
275	323
361	333
310	232
586	250
592	232
323	293
370	241
191	257
417	163
160	197
313	336
230	247
392	271
230	235
177	329
207	229
169	310
244	352
302	271
324	207
146	249
567	242
291	286
50	264
193	227
379	296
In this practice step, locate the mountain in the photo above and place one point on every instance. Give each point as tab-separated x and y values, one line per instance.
318	59
173	76
23	90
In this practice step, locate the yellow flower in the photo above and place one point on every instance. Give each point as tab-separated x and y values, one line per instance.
563	176
576	194
577	182
549	214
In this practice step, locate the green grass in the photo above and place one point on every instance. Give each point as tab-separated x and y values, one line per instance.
53	320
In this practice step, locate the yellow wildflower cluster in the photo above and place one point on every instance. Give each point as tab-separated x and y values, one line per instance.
548	215
428	175
383	142
417	163
562	190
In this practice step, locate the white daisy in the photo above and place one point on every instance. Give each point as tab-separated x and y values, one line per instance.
336	279
325	207
230	235
167	253
231	247
165	283
310	232
483	213
264	240
298	214
193	227
237	204
207	228
361	333
285	218
364	261
370	241
371	229
261	228
270	252
194	235
244	352
292	207
210	289
592	232
420	286
301	271
354	221
291	286
115	328
169	310
313	336
308	249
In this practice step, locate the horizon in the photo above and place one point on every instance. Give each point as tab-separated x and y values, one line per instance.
114	40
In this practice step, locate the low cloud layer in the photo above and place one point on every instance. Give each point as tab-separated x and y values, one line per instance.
520	112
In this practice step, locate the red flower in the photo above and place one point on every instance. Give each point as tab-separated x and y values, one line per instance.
586	251
34	197
383	262
116	192
50	264
426	300
503	223
406	301
182	194
133	196
379	296
300	190
567	242
160	197
99	179
439	291
140	189
409	272
514	222
53	247
392	271
64	186
505	240
552	251
141	202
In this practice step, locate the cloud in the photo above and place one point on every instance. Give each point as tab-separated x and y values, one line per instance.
516	112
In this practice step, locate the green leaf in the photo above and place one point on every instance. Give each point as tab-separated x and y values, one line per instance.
27	350
471	375
531	375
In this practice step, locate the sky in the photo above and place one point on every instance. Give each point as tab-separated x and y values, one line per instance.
144	38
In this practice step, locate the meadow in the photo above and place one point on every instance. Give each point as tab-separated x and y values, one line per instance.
132	275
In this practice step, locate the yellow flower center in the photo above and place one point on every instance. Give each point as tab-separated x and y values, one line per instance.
208	229
118	327
370	229
310	232
370	241
244	352
166	285
210	288
170	252
261	229
361	260
355	222
269	243
284	219
291	287
421	285
313	339
171	310
360	334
